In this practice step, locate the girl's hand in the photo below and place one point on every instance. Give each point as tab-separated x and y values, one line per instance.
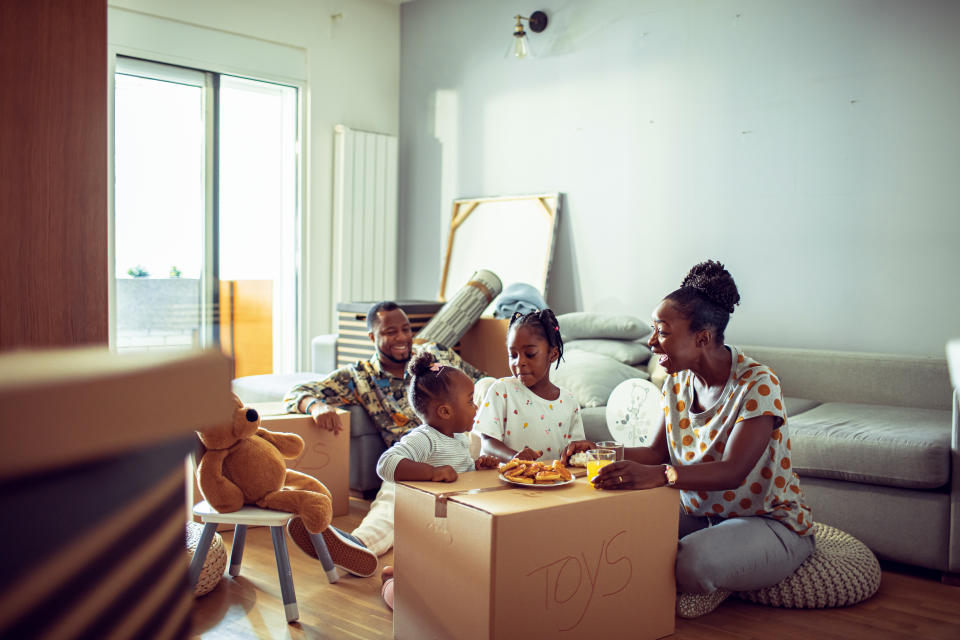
528	454
487	462
628	474
576	447
445	473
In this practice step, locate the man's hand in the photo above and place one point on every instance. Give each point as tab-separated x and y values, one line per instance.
528	454
576	447
487	462
326	417
444	474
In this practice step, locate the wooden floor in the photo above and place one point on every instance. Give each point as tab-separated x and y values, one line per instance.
908	605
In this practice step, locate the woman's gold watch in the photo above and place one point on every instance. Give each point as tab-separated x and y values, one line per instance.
671	474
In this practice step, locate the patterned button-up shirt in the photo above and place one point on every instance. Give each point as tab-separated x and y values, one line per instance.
380	393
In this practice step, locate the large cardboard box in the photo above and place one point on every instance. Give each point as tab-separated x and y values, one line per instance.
482	559
325	456
484	346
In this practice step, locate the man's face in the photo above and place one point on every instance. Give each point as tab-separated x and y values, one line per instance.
393	336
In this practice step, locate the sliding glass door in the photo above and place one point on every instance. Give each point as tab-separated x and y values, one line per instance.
206	214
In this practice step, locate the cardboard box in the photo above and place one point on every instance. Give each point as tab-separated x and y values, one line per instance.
518	562
325	456
484	346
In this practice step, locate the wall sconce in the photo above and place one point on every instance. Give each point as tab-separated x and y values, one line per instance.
520	48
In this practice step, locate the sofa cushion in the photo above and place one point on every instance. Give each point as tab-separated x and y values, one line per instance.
270	387
584	324
626	351
795	406
595	424
590	377
877	444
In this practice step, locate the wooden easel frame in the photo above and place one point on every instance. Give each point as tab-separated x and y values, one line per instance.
550	205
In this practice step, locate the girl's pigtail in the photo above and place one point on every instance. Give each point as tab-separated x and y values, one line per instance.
551	328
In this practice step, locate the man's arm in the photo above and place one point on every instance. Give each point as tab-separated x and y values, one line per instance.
335	390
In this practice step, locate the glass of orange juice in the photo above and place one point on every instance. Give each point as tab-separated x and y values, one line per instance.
597	458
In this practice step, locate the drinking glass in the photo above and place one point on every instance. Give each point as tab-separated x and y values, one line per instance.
597	458
610	444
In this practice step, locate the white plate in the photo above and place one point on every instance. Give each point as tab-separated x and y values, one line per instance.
536	486
634	412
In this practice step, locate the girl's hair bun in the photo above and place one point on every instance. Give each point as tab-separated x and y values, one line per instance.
712	280
420	363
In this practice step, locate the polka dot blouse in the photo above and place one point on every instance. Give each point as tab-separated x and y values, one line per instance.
771	489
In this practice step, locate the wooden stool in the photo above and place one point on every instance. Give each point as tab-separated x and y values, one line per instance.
255	516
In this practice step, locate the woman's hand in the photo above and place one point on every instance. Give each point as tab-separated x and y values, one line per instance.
445	473
486	462
528	454
576	447
628	474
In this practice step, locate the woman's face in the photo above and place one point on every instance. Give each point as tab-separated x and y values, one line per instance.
672	339
529	355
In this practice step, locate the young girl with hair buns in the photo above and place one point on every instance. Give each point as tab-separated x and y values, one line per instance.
527	416
724	444
437	450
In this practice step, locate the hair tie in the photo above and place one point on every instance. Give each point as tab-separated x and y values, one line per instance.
436	367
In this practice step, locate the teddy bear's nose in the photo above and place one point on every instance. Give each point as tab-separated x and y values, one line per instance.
252	415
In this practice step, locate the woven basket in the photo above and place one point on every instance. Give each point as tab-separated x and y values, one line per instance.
215	563
841	571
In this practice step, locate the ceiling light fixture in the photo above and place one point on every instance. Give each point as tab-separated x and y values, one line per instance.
520	47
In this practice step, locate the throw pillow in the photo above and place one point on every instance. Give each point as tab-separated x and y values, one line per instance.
590	377
585	324
625	351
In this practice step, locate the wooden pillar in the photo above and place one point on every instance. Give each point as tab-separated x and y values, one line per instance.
53	173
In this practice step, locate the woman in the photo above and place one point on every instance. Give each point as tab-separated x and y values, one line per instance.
724	444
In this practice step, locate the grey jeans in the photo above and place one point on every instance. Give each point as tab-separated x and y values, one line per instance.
738	554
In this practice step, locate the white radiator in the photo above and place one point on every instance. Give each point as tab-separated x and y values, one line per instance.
364	216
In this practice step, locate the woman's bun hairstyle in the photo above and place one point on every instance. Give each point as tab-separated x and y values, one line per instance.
712	280
707	296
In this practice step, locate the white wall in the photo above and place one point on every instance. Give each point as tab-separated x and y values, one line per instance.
813	147
353	76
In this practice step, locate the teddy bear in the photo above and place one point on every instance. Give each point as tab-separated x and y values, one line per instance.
244	464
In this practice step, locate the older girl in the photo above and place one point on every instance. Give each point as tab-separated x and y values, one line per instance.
527	415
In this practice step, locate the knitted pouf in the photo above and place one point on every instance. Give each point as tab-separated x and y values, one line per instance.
215	563
840	572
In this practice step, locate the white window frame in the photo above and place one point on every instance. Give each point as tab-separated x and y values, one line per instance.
151	38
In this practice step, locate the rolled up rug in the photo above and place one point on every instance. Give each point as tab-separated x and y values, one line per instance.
459	313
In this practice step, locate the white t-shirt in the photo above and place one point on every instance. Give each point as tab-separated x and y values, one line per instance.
519	418
426	444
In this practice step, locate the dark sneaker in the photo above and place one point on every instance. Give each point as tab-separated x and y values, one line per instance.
346	551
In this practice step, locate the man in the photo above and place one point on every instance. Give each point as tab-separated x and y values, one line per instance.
379	385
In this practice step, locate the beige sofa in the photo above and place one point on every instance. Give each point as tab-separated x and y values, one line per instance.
875	442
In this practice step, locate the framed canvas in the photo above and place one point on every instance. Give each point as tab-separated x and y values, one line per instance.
511	236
